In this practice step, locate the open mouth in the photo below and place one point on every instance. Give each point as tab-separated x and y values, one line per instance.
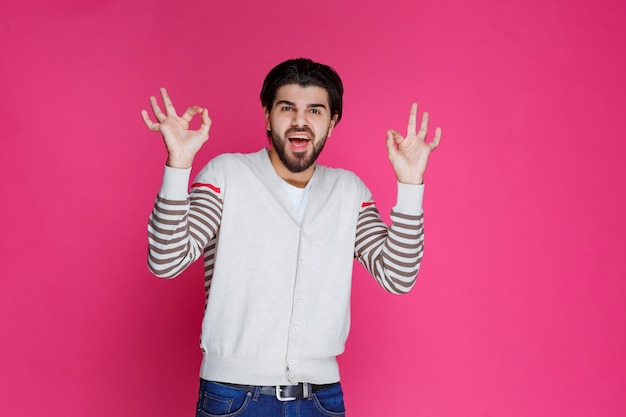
299	142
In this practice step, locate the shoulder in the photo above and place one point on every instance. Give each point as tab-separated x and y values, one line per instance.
232	161
339	175
229	159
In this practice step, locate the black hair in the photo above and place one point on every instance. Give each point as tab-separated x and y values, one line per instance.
304	72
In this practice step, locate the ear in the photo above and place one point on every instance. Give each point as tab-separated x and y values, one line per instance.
268	124
333	122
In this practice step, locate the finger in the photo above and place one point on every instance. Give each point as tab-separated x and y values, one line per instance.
397	137
206	123
412	120
423	127
156	109
435	142
190	113
391	145
169	107
149	123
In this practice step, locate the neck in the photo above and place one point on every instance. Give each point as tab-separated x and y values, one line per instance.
297	179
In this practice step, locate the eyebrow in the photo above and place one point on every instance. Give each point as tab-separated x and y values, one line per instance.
312	105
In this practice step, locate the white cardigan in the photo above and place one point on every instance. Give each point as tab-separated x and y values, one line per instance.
278	311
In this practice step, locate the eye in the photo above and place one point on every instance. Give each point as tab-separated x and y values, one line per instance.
315	111
287	108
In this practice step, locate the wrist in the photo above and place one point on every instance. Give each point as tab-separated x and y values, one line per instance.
179	162
419	180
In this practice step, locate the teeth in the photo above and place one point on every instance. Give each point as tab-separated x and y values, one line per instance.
298	137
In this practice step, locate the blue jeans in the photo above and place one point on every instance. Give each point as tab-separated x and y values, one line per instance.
216	399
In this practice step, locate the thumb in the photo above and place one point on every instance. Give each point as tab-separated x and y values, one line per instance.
206	123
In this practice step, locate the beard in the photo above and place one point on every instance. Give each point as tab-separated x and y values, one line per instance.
297	161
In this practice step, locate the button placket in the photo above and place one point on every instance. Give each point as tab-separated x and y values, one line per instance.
297	323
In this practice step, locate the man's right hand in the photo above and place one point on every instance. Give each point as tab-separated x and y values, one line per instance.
182	144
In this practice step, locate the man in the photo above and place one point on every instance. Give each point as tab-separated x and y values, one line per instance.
279	233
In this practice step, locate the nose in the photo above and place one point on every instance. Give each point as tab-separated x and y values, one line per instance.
298	119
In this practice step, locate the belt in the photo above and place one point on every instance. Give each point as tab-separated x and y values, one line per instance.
283	392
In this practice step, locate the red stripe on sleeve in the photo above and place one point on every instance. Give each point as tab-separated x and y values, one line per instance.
211	186
368	203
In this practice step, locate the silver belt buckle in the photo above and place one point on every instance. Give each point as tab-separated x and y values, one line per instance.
279	396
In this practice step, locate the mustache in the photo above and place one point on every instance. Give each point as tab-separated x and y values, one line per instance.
299	129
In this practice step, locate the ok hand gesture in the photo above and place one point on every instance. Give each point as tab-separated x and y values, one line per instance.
182	144
409	155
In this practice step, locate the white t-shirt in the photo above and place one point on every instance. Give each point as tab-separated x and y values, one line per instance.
299	197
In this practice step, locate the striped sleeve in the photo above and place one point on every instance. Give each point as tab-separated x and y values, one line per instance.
392	255
209	263
182	229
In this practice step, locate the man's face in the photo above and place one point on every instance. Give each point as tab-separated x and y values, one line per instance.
299	123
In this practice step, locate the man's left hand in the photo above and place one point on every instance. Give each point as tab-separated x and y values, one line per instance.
409	155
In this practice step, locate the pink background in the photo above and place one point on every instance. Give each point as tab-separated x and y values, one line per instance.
520	306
